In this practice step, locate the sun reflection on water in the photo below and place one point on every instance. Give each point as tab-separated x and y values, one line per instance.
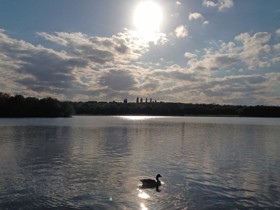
138	117
143	195
143	207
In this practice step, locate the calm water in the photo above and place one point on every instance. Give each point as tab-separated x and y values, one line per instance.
96	162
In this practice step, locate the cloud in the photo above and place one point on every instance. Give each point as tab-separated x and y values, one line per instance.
108	68
75	69
181	31
82	68
222	5
178	2
98	49
189	55
278	32
198	16
206	22
195	16
41	67
254	48
277	47
118	80
246	51
242	89
235	88
177	74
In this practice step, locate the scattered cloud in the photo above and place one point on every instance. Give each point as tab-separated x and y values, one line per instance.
278	32
98	49
254	48
222	5
246	52
198	16
195	16
189	55
277	47
181	31
206	22
105	68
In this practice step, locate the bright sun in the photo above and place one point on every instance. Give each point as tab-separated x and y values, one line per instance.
147	18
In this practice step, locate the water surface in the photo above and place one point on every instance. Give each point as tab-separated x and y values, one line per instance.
96	163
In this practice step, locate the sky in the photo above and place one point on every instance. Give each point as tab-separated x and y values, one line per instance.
190	51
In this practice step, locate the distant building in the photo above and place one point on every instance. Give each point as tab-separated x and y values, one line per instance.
137	100
146	100
141	100
125	101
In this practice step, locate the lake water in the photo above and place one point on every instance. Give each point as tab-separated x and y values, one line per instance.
96	163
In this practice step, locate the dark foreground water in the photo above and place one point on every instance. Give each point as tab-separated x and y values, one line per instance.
96	163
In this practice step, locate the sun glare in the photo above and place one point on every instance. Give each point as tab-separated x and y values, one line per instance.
147	19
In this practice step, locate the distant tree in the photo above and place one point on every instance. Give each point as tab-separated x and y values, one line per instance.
18	106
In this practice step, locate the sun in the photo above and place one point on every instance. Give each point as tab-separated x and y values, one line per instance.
147	19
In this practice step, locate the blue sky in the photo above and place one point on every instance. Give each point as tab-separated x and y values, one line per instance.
200	51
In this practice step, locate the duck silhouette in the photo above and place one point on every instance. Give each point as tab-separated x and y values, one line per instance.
151	183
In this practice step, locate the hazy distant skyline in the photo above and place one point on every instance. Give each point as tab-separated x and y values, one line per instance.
191	51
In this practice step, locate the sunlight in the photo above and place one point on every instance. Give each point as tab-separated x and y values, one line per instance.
139	117
143	195
143	207
147	19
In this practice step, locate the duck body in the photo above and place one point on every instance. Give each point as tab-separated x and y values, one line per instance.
151	183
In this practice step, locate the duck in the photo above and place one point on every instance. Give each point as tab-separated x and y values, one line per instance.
151	183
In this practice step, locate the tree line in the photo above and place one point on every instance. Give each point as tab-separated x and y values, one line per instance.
19	106
173	109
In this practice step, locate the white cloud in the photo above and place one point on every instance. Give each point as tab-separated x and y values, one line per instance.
178	2
254	48
84	68
189	55
98	49
37	69
195	16
198	16
206	22
278	32
209	3
181	31
277	47
71	72
245	52
103	68
222	5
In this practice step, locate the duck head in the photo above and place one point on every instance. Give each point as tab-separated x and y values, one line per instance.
158	176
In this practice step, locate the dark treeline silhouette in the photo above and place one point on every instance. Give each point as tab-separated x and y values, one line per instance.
19	106
173	109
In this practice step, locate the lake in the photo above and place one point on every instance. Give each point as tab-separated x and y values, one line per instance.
96	162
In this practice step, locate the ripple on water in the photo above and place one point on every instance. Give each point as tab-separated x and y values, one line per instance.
98	165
